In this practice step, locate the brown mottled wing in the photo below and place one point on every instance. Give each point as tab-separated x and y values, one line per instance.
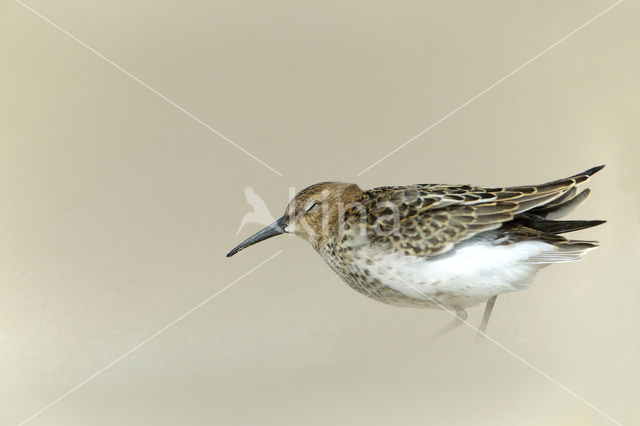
433	218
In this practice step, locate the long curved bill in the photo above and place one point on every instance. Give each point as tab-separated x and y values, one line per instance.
276	228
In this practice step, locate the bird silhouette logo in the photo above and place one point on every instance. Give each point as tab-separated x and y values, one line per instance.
260	214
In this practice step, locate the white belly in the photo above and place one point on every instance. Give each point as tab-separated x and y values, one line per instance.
466	276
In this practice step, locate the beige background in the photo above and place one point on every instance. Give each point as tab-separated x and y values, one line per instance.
116	209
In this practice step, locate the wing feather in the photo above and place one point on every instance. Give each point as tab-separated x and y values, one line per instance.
433	218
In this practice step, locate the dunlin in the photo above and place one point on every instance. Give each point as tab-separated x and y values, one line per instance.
437	246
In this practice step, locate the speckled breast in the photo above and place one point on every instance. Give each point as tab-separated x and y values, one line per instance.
344	262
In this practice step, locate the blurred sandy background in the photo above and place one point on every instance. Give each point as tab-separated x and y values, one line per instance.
116	209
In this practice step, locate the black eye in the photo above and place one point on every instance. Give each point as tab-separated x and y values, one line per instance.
310	207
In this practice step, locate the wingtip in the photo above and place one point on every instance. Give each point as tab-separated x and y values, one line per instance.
588	173
594	170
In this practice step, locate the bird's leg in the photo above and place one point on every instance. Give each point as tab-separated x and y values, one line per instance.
487	314
461	317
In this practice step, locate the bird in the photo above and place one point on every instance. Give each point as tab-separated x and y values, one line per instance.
260	214
438	246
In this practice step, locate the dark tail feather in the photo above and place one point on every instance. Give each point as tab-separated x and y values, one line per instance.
556	226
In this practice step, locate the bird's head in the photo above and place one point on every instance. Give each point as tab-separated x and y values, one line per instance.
313	214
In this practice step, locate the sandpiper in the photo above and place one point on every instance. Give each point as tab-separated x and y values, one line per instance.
436	245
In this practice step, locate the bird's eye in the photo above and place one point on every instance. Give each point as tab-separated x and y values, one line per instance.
310	207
